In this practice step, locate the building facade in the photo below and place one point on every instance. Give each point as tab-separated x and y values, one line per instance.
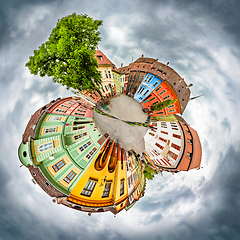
173	145
72	161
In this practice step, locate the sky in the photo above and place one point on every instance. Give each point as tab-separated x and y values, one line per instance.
200	39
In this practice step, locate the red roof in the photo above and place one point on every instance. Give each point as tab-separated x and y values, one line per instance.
197	150
102	59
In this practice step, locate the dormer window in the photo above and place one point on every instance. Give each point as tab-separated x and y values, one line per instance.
100	58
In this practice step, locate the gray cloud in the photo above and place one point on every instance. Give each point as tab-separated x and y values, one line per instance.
201	41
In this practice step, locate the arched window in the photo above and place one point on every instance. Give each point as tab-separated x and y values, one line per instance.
45	146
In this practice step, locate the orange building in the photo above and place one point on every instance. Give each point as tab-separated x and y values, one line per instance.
163	92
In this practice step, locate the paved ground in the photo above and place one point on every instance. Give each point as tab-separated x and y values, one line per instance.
124	108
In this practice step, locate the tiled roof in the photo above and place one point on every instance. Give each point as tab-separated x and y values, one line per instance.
102	59
125	69
30	129
41	181
169	75
145	60
197	150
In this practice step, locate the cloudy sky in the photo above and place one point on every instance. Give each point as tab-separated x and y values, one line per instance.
200	39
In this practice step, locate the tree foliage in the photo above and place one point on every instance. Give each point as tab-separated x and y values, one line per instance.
69	54
149	172
161	105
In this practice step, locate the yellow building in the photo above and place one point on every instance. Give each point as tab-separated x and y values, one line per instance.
116	79
105	67
104	183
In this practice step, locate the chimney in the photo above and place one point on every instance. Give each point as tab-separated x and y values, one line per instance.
190	85
142	56
121	64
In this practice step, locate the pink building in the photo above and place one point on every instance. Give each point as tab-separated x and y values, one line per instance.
71	106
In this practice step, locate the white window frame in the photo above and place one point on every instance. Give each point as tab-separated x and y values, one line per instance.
49	130
54	118
45	147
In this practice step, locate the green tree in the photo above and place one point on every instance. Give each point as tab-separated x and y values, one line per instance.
149	172
161	105
69	54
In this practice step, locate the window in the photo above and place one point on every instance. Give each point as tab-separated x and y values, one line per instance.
151	99
79	114
89	155
56	167
106	74
69	103
175	146
65	106
164	132
145	92
84	146
142	88
155	84
106	88
54	118
130	180
139	89
146	98
109	74
152	134
168	96
173	110
80	110
134	77
89	187
171	106
122	187
50	130
160	112
78	128
172	155
162	139
174	126
45	147
106	190
59	110
158	88
177	136
135	177
148	78
162	92
92	96
69	177
158	145
78	136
